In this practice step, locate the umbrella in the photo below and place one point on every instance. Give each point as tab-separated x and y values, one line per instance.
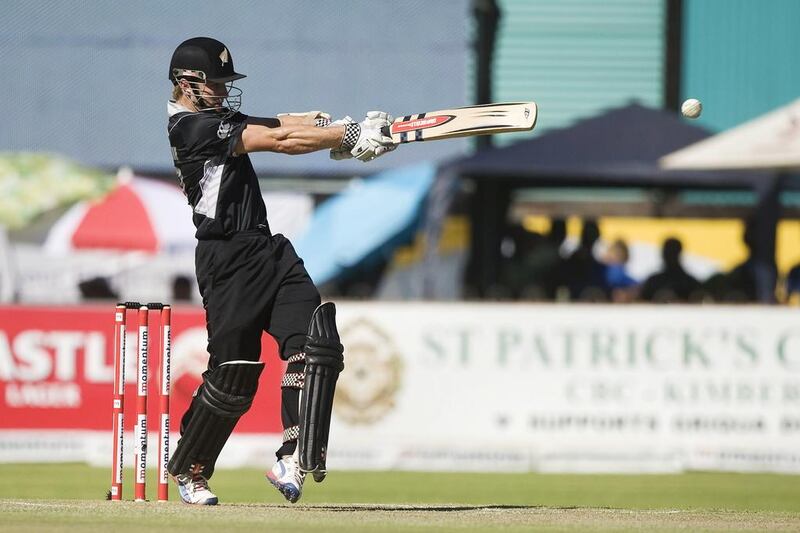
139	214
363	220
143	214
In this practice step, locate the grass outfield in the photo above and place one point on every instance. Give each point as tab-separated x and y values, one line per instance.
70	498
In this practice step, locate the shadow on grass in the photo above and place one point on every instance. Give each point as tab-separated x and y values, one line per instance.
405	508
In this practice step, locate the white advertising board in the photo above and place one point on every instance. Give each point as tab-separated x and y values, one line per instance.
567	388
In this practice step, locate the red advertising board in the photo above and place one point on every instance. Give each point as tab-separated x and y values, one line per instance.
57	367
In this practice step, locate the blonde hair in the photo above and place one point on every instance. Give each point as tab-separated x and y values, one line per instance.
177	92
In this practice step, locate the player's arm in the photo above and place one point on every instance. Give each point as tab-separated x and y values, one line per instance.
365	140
264	135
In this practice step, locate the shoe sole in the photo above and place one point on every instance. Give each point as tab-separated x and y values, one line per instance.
210	501
288	491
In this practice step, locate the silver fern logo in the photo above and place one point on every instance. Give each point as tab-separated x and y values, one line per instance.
224	130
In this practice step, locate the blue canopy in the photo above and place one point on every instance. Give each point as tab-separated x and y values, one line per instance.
364	221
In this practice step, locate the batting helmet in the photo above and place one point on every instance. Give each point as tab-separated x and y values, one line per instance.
203	55
200	60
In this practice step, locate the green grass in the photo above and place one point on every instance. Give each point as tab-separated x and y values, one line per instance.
70	498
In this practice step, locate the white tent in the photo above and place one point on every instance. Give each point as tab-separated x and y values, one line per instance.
771	141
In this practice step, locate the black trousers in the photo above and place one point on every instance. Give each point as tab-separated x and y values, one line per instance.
251	283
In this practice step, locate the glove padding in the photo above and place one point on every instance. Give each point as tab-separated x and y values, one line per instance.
371	141
337	154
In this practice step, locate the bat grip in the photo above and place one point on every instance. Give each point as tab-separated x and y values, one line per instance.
387	131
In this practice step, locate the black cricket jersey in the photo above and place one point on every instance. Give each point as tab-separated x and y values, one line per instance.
222	187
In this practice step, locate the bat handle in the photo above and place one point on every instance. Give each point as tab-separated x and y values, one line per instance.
387	131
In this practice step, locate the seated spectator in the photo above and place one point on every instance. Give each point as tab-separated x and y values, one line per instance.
97	288
672	283
716	289
518	244
752	280
181	289
622	287
542	265
583	274
793	286
546	264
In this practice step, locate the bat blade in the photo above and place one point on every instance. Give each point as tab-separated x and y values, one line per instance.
485	119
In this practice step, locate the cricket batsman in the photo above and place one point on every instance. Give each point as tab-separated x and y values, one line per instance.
251	280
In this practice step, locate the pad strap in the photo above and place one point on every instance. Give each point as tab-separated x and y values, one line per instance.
293	380
297	358
291	433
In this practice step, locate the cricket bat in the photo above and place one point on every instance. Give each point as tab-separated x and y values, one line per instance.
485	119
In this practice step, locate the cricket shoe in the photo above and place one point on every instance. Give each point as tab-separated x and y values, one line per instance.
193	489
287	478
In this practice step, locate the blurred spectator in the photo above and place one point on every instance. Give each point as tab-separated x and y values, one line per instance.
584	275
751	280
672	283
740	282
715	288
541	265
546	263
622	287
97	288
518	244
181	289
793	286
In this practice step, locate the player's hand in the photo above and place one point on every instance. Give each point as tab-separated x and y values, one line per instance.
384	120
372	142
376	117
337	154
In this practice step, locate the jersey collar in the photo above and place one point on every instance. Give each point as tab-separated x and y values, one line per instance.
173	108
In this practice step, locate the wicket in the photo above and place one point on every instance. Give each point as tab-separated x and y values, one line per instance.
142	390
